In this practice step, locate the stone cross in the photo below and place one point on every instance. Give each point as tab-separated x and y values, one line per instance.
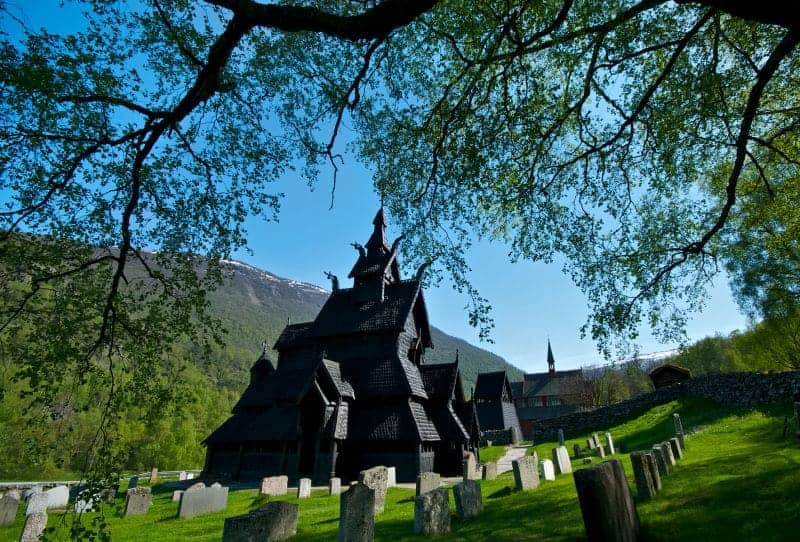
469	502
304	488
561	460
606	503
432	513
428	481
357	514
610	443
642	473
376	478
275	521
548	470
526	472
561	437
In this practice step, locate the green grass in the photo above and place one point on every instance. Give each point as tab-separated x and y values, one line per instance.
492	453
738	481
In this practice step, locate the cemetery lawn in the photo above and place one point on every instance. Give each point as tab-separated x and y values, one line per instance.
492	453
738	481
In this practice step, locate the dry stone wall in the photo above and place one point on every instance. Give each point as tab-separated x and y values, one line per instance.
733	389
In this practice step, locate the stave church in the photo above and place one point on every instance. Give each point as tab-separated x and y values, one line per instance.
351	389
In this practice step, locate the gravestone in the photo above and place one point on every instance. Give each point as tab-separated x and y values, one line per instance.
391	473
26	494
596	439
526	473
470	471
196	485
661	461
676	418
667	447
428	481
110	494
176	495
677	452
548	471
273	522
561	437
610	443
205	500
590	443
606	503
37	503
304	488
469	502
8	509
489	470
335	486
153	476
655	476
133	482
216	484
182	476
432	512
576	450
376	478
57	497
34	527
138	501
642	474
190	476
587	460
16	493
601	451
561	460
274	485
86	501
357	514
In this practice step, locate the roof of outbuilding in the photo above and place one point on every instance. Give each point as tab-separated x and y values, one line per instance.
670	367
544	384
489	386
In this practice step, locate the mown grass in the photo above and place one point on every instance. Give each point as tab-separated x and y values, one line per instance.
492	453
739	480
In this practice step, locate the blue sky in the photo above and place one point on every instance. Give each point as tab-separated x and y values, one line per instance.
531	302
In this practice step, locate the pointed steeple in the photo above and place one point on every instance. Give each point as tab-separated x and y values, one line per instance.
551	362
377	241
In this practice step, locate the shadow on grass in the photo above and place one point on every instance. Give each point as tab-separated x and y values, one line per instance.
505	492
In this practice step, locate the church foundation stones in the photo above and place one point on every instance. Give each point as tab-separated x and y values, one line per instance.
432	512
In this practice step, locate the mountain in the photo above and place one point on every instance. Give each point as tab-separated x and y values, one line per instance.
255	305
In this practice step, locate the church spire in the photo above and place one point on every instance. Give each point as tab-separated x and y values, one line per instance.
551	362
377	241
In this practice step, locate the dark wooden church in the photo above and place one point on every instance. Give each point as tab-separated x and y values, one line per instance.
351	389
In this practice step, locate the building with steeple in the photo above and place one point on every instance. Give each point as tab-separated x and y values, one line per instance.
351	389
547	395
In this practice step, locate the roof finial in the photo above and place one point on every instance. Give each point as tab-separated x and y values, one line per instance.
551	362
456	355
264	346
334	280
361	250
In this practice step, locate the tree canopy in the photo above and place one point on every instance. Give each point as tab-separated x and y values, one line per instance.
615	133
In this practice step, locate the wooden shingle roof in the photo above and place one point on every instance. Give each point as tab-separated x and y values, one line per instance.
489	386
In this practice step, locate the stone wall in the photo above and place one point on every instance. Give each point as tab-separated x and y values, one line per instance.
726	388
500	437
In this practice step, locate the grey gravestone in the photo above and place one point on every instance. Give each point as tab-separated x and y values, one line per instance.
561	437
667	447
676	418
133	482
601	451
335	486
275	485
154	475
30	491
376	478
642	473
661	461
576	450
86	501
35	524
561	460
202	501
432	512
654	474
182	475
548	471
176	495
606	503
596	439
590	443
469	502
16	493
391	473
8	509
428	481
489	470
37	503
138	501
57	497
357	514
610	443
677	452
216	484
189	475
196	485
526	473
304	488
272	522
470	468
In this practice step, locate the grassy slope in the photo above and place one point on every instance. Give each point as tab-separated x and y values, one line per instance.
738	481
